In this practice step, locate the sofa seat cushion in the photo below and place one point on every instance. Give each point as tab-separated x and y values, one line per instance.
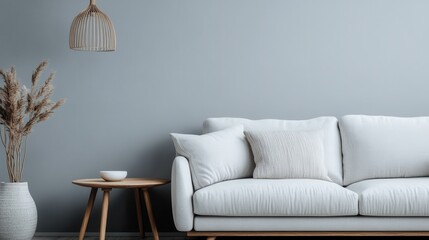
393	197
275	197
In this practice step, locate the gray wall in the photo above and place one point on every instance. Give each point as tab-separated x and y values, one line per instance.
179	62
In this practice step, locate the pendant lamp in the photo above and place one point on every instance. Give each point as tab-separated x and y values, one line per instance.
92	30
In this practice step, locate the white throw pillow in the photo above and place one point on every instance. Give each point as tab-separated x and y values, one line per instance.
384	147
216	156
288	154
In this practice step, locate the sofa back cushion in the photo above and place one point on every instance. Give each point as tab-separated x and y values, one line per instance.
329	126
384	147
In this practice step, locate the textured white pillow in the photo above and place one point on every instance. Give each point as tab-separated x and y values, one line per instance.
384	147
215	156
288	154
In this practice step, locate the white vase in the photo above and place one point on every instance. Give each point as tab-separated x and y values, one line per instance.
18	213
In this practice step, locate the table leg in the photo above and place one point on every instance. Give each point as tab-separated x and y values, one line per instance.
87	213
104	210
150	214
139	211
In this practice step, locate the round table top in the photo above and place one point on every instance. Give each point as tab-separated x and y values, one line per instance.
126	183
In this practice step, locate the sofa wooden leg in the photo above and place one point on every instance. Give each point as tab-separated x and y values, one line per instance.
211	238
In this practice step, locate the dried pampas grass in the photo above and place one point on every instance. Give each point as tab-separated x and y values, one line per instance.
20	110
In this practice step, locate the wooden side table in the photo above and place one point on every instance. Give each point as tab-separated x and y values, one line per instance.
138	184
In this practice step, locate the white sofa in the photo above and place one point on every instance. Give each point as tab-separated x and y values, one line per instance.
379	171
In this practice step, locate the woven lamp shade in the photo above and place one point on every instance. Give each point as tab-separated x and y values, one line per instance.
92	30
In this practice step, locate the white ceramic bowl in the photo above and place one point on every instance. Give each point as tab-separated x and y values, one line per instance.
113	176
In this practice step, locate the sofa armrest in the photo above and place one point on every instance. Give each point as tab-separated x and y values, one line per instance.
181	195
